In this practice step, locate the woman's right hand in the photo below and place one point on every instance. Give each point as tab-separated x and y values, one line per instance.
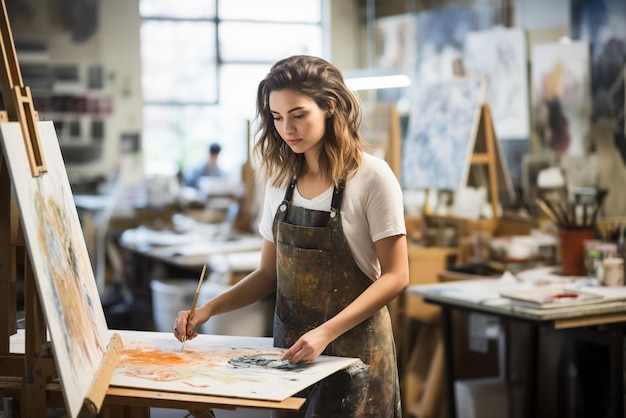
184	328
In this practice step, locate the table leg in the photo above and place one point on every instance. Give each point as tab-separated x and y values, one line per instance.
532	370
448	364
521	346
616	345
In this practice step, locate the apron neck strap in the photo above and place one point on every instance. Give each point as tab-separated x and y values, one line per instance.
335	204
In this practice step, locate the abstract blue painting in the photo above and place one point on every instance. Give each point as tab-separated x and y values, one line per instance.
441	134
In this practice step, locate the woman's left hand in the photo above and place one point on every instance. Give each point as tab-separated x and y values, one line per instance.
308	347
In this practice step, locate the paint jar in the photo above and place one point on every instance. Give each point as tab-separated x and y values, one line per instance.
595	252
572	250
612	272
593	259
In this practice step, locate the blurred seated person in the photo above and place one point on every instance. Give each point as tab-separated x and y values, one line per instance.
208	168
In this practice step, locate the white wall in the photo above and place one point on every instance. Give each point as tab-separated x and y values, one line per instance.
346	34
119	34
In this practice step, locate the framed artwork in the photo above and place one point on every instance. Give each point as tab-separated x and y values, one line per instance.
441	134
61	266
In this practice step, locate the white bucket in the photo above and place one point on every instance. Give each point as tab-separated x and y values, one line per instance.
169	296
252	321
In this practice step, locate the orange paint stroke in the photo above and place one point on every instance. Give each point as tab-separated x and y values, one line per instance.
196	386
146	361
138	356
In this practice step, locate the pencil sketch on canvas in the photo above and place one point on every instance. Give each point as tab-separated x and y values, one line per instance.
441	134
218	365
61	266
499	54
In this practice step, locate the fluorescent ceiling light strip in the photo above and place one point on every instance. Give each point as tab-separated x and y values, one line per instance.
378	82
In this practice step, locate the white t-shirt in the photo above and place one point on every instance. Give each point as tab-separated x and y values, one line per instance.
372	209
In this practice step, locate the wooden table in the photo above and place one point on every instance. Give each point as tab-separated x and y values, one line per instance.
583	321
158	254
128	402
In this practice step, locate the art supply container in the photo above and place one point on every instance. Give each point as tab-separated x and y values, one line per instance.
595	252
612	272
593	258
573	250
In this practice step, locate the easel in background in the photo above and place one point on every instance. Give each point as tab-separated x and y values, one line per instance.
246	210
381	130
35	371
422	357
486	156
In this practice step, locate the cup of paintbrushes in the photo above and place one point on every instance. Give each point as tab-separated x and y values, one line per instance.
572	250
576	225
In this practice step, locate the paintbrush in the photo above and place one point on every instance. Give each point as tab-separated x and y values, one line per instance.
547	211
193	305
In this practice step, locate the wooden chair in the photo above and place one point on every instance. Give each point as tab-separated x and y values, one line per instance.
420	348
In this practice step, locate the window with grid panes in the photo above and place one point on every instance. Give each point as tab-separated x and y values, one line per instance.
202	61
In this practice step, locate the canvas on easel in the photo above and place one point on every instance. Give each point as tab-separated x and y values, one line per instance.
441	133
450	138
60	263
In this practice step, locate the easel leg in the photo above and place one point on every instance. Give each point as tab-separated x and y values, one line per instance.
40	367
124	411
8	306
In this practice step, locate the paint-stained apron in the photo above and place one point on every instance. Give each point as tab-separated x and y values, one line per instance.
317	278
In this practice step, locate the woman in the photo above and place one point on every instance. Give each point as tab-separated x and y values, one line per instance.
334	247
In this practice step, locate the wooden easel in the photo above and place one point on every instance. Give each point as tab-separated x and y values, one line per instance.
36	367
381	130
485	154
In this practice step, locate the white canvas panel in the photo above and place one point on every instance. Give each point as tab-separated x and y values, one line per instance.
61	266
217	365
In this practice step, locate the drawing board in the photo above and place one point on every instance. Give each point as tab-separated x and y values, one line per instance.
218	365
61	266
441	134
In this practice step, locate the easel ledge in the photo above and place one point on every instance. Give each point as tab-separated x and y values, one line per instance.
135	403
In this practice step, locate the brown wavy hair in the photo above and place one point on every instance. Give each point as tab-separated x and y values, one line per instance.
342	144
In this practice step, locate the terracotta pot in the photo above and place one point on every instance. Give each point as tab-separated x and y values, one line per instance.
573	250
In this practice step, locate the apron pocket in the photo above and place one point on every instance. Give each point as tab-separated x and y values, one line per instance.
305	283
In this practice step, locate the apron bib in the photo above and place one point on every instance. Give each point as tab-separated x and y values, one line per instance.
317	277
